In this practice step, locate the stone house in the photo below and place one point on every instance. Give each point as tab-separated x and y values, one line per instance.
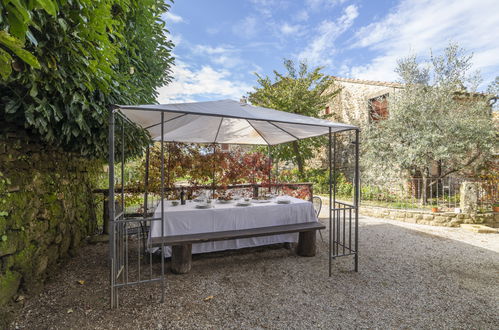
360	101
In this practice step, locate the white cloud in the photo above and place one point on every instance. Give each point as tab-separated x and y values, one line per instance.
227	61
301	16
206	49
318	4
418	25
176	38
170	17
267	7
380	68
318	52
212	30
247	28
191	84
288	29
256	69
226	56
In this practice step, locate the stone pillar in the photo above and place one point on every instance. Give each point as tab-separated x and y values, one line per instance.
306	244
469	197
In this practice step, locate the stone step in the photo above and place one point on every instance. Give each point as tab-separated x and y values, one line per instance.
479	228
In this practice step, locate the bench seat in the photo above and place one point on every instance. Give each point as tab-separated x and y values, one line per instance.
182	244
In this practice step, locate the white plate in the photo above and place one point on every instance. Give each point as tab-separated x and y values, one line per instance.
243	204
224	201
261	201
283	201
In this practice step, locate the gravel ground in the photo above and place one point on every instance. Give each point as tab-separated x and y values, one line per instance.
411	276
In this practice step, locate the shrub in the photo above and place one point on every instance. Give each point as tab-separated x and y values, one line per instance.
89	55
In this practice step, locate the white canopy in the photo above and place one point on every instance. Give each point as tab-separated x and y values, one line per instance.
226	121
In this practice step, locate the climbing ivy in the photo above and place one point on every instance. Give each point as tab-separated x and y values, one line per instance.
66	61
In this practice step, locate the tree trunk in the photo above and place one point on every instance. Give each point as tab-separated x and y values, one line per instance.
298	158
424	191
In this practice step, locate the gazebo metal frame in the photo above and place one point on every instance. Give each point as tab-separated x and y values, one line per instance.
343	239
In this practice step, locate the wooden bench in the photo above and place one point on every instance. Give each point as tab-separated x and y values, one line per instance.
182	244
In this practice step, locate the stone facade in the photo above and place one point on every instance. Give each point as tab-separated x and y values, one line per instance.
46	210
351	105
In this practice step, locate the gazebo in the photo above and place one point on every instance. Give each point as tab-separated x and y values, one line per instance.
215	122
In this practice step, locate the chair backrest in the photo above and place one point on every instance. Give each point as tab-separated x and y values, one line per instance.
317	201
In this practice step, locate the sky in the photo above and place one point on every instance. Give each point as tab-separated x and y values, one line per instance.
221	44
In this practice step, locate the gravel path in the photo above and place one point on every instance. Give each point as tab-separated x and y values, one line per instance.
410	276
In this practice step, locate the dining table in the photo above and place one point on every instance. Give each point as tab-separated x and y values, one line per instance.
198	217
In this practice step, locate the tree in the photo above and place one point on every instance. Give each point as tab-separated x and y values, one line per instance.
198	164
301	92
17	15
437	118
84	55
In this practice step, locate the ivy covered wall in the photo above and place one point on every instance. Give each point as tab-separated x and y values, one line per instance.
46	210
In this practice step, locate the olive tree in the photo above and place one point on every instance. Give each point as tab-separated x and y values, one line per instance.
437	118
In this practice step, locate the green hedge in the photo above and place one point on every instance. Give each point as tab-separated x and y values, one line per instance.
90	54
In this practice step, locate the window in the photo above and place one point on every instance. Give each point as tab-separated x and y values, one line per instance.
378	108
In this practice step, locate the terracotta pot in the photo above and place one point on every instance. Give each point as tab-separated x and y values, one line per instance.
495	208
434	209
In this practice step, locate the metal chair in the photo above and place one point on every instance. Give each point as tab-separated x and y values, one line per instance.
317	202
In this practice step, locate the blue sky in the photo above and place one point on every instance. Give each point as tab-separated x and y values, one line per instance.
220	44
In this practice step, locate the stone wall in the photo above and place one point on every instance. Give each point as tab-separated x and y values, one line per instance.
46	210
447	219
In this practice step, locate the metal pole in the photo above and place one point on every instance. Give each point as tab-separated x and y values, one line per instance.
143	224
276	176
124	254
111	203
168	166
162	206
270	167
123	166
356	199
330	201
213	178
146	183
336	213
125	246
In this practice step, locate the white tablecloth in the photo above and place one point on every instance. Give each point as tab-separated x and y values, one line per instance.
186	219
